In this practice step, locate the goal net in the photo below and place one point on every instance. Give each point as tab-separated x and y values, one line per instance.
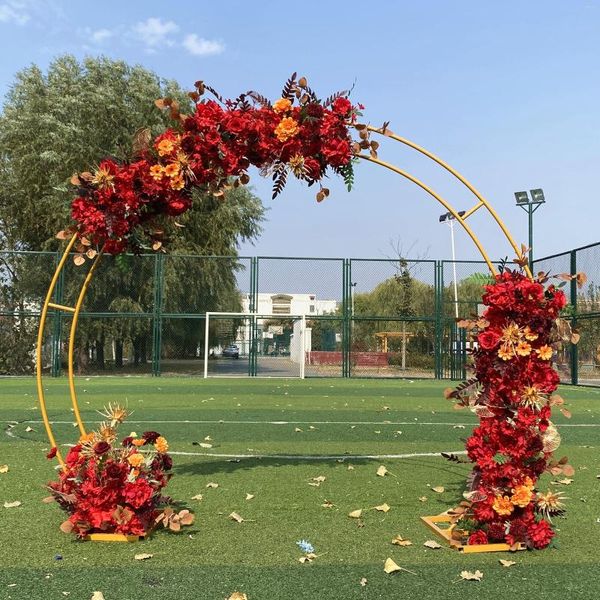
254	345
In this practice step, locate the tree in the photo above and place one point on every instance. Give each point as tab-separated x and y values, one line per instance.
66	120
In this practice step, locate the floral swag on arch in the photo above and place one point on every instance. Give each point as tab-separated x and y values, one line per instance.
126	206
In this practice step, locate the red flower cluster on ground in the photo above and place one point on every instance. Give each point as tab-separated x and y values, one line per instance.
113	488
119	205
512	394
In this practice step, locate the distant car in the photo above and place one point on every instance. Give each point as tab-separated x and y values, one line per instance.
231	351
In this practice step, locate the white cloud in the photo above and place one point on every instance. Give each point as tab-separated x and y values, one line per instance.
202	47
14	12
100	35
154	32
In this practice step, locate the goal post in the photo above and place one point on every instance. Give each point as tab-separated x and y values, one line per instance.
242	344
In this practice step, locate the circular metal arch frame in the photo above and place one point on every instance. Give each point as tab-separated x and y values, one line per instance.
75	311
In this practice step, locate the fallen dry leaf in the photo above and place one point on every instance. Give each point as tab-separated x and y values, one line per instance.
249	496
197	497
238	596
469	576
382	471
319	479
423	499
355	514
391	567
143	556
212	484
438	489
97	596
507	563
298	430
382	507
235	517
29	429
363	581
350	467
328	504
3	468
400	541
309	557
431	544
205	445
12	504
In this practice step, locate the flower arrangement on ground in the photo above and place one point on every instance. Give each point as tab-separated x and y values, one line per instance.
111	487
122	205
513	393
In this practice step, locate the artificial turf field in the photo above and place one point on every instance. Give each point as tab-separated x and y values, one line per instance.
254	425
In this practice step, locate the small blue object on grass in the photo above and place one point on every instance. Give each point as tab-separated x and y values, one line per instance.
306	546
58	557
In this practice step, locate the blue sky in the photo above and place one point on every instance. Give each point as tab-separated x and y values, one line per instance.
507	92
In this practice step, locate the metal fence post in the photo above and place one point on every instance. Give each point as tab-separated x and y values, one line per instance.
57	322
157	313
253	349
346	342
574	351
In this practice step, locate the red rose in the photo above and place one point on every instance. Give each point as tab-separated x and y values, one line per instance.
478	538
489	339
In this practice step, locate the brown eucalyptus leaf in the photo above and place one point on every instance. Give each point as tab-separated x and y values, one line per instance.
581	279
63	235
186	517
568	470
566	413
91	253
66	527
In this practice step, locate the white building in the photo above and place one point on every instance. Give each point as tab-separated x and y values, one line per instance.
290	304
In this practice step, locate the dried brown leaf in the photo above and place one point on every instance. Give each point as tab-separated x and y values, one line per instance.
400	541
382	508
432	544
355	514
12	504
143	556
382	471
507	563
3	468
469	576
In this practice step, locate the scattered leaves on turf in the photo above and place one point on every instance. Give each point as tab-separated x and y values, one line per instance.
3	468
237	518
317	481
212	484
382	471
431	544
391	567
469	576
564	481
12	504
197	497
29	429
328	504
400	541
238	596
351	468
363	581
97	596
423	499
438	489
249	496
205	445
143	556
298	430
355	514
382	507
307	558
507	563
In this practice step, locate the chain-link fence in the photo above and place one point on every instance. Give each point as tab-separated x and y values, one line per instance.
292	316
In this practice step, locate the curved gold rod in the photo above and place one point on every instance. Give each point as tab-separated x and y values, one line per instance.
72	333
38	354
441	200
463	180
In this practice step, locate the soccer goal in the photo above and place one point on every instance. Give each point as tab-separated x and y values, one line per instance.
240	344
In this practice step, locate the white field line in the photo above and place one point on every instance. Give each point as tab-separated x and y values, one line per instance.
224	422
316	456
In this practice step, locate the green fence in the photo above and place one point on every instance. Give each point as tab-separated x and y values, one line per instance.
365	317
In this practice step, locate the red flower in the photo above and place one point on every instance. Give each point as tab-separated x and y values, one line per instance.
540	534
101	448
478	538
342	106
489	339
138	493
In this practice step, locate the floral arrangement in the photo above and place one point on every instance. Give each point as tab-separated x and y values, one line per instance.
120	205
116	488
513	395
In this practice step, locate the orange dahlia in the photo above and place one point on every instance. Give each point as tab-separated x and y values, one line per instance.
282	105
157	172
521	496
161	445
544	352
136	460
502	505
286	129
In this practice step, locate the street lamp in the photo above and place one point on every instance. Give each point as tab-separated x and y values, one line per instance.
352	292
530	205
449	218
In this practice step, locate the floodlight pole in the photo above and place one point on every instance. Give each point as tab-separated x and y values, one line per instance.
530	205
449	218
352	292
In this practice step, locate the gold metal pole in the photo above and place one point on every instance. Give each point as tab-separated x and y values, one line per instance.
73	331
38	352
464	181
441	200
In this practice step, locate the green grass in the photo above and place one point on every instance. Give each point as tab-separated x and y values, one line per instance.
260	557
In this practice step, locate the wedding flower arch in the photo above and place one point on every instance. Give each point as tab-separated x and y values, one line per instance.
124	206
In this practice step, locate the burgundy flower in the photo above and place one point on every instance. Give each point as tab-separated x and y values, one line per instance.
101	448
52	453
128	441
150	436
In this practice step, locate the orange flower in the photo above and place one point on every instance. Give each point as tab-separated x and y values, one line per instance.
136	460
528	482
506	352
157	172
521	496
177	183
544	352
511	333
282	105
161	444
103	179
529	335
138	443
165	146
503	506
87	438
172	170
286	129
523	349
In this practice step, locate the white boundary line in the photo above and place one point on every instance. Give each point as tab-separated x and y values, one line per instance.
224	422
318	457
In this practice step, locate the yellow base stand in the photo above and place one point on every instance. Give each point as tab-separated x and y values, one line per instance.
446	534
114	537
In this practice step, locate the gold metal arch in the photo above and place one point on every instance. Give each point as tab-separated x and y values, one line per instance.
75	311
